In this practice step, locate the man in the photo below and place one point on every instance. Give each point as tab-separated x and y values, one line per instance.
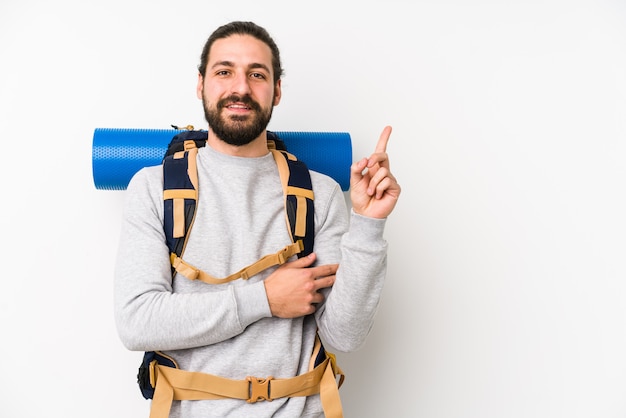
264	326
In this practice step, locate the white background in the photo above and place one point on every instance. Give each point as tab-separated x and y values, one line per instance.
506	287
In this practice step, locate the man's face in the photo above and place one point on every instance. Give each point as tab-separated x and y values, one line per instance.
238	91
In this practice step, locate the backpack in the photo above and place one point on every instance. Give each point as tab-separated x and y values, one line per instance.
180	194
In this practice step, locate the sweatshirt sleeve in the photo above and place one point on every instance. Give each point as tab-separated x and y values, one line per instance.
347	316
148	315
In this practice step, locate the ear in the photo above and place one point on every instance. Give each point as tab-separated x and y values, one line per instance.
277	93
200	86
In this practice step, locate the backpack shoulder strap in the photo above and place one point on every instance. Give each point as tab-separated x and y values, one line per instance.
180	187
299	197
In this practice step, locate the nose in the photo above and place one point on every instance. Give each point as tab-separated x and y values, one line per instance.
240	84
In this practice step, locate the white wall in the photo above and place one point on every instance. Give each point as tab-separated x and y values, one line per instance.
506	286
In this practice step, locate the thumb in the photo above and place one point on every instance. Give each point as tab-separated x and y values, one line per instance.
301	262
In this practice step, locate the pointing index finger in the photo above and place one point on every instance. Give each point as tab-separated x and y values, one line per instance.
381	146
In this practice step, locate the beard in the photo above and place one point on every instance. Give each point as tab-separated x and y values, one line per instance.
237	130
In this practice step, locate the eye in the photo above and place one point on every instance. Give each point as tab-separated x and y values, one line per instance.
259	76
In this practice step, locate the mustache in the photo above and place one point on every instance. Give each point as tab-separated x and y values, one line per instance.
246	100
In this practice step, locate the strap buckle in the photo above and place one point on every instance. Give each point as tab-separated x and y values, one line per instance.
259	389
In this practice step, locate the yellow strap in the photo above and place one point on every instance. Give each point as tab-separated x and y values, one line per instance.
192	168
175	384
178	197
180	194
278	258
162	399
300	193
329	394
301	216
283	169
178	210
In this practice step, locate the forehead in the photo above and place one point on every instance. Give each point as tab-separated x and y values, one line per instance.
240	50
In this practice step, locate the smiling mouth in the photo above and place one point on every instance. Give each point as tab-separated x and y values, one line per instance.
238	106
236	103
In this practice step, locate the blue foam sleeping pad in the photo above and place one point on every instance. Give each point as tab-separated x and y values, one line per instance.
117	153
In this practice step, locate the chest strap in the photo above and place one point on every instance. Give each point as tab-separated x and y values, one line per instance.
278	258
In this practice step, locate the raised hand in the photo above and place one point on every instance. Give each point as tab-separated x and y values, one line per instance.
374	191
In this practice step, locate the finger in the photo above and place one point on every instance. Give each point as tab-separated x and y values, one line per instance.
301	262
318	297
380	154
377	182
324	282
379	158
324	270
386	185
356	171
382	186
381	146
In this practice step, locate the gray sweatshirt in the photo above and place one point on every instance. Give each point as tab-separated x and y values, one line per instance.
228	329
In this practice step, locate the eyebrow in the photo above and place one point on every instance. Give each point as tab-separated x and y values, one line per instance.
231	64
